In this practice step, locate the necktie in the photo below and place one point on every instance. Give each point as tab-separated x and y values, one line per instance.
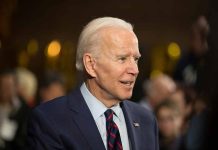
113	135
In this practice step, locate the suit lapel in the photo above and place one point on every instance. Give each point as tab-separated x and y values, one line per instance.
84	120
133	126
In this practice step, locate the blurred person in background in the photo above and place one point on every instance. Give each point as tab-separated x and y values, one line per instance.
170	120
156	90
196	124
52	85
178	97
181	96
189	67
13	113
27	85
190	71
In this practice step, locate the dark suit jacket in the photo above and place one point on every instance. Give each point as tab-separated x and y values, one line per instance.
66	123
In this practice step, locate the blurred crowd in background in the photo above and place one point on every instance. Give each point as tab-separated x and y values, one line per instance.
184	100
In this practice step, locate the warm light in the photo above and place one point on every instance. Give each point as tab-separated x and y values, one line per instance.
23	58
54	49
174	50
32	47
155	73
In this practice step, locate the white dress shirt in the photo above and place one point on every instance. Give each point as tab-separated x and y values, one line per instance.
97	109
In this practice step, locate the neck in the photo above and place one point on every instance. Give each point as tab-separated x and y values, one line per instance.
104	98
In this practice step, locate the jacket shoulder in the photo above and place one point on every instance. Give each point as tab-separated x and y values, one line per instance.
138	110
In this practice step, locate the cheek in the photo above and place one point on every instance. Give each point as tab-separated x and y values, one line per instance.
108	71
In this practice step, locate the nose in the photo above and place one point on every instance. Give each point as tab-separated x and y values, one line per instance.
133	68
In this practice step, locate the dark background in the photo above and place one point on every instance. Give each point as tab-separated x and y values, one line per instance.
156	23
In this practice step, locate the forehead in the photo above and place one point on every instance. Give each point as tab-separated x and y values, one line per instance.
116	33
118	38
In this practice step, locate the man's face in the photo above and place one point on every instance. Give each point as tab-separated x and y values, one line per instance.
116	65
169	122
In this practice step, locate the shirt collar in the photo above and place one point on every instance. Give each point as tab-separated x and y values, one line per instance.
96	107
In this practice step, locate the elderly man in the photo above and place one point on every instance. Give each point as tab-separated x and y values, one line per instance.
156	90
98	116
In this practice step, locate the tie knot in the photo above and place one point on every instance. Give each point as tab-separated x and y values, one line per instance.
109	114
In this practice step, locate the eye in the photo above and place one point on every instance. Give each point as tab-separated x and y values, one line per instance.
122	59
136	59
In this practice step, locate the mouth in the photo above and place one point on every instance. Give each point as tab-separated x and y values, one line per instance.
127	83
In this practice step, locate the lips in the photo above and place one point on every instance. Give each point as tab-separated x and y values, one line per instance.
128	83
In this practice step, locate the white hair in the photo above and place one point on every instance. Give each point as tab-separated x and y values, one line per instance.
27	82
89	37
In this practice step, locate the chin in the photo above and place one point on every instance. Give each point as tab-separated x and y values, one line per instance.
126	97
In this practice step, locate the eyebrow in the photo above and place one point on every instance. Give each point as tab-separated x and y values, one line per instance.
125	55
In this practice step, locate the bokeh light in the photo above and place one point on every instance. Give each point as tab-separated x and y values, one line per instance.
23	58
32	47
174	50
155	73
54	49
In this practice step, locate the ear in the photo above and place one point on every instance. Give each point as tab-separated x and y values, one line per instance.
89	64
